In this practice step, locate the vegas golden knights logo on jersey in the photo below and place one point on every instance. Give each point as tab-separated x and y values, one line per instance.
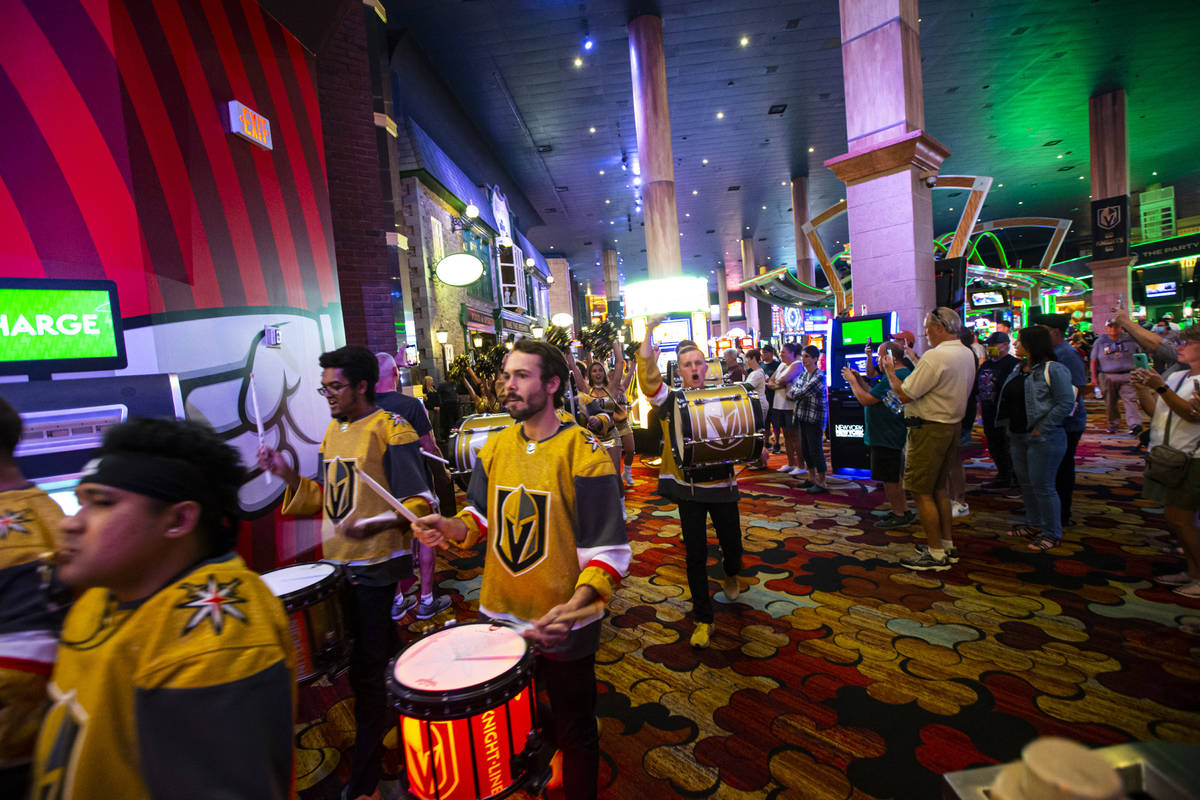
341	488
521	541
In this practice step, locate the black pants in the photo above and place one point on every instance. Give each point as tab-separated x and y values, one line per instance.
571	686
728	526
375	641
1064	480
997	445
810	446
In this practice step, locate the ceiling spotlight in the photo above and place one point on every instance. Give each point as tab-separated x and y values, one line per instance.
592	129
601	172
764	208
744	41
720	115
695	191
783	183
704	161
812	149
607	202
687	213
1153	173
1020	202
588	44
578	62
637	181
1080	177
1060	155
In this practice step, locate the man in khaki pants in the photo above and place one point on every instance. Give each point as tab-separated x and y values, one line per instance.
1112	361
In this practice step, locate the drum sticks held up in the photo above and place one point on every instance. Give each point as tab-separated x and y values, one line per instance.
401	509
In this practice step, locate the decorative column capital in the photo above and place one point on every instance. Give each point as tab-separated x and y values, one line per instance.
1107	264
913	149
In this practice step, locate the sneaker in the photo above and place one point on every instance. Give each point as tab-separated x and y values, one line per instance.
732	588
951	552
1111	428
1191	590
816	489
402	605
785	468
1175	579
627	477
958	509
797	471
892	521
434	607
924	560
701	634
1135	430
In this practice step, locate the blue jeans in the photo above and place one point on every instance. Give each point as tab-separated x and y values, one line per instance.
1035	461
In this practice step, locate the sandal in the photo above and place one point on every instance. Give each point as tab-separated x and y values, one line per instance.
1191	590
1042	544
1022	532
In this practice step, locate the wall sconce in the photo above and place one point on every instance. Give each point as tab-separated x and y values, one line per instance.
508	345
529	262
537	331
467	220
549	280
442	336
478	341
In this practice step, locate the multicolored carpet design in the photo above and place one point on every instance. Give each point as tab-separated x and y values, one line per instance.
839	674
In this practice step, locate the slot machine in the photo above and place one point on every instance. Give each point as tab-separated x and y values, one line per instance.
848	341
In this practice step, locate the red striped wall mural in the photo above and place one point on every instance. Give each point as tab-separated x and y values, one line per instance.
115	163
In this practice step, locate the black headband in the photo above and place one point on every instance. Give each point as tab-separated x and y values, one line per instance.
167	479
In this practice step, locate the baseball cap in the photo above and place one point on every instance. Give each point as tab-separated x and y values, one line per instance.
1059	322
1113	321
1168	315
904	335
999	337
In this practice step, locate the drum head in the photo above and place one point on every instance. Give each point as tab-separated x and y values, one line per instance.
290	582
459	658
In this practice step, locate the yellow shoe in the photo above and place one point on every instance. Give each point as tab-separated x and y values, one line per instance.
731	587
701	634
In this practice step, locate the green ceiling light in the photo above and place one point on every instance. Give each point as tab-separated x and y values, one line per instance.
459	269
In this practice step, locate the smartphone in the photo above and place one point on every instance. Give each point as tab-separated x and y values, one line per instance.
1141	361
993	351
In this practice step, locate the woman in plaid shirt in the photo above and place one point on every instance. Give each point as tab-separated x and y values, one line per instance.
809	393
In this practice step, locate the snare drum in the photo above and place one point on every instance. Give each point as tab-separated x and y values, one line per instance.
311	596
717	425
468	439
465	707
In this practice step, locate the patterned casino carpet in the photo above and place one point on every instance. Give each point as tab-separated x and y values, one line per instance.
839	674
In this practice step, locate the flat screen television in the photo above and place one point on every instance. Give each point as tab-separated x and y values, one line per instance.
50	325
860	331
988	298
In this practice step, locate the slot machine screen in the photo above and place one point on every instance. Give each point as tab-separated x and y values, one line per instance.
862	331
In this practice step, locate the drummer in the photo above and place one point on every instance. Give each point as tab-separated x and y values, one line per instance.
545	497
175	673
359	530
699	493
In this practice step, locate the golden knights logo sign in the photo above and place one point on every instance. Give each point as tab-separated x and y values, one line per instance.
521	541
341	488
1110	227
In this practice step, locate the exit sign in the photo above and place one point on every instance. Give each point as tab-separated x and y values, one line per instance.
249	124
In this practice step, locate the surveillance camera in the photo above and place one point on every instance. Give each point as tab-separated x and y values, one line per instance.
931	181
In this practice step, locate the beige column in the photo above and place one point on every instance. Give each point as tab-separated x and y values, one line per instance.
749	270
1109	145
612	283
889	159
723	299
805	263
560	287
653	123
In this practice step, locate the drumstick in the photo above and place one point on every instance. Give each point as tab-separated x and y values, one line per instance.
258	421
428	454
591	609
401	509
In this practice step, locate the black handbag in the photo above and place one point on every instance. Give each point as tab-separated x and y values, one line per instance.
1168	465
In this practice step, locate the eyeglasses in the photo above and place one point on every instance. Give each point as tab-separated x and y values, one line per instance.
329	390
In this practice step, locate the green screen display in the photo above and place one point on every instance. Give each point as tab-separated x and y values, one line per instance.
54	324
859	331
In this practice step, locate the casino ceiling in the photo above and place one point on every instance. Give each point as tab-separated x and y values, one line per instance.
1006	89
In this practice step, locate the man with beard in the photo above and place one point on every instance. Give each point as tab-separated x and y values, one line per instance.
361	531
545	499
699	493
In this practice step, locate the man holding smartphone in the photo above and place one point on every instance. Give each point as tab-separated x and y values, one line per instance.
1112	362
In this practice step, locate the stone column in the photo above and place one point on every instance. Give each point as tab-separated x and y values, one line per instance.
889	160
653	122
560	289
805	263
1109	147
612	283
749	270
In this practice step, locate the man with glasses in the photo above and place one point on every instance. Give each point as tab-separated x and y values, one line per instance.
935	399
361	531
1112	362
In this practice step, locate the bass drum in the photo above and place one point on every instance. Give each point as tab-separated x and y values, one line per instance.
468	439
717	425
